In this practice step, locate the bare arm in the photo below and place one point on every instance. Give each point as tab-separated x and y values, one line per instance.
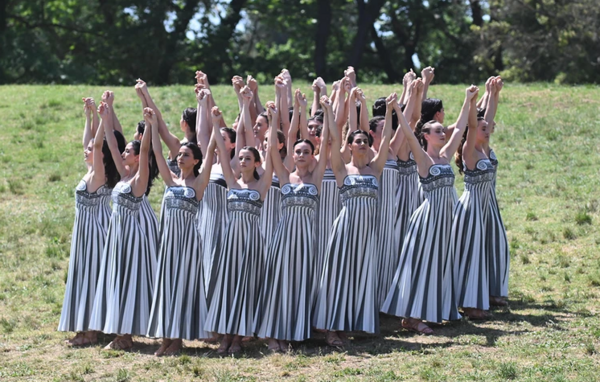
111	140
88	131
256	107
337	164
264	183
406	81
225	165
450	148
282	173
427	74
423	160
203	177
98	175
364	111
203	126
469	155
378	162
109	98
139	184
152	124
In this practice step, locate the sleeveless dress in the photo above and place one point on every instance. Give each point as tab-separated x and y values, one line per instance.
149	223
386	246
179	302
468	238
408	199
347	298
285	305
238	277
497	242
329	209
92	215
212	221
423	285
271	211
127	269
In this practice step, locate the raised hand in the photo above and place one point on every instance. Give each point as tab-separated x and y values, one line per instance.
408	78
325	103
246	94
202	95
238	83
499	83
300	99
471	93
88	105
428	74
201	78
216	115
108	97
251	83
271	110
103	110
347	83
336	85
353	94
351	74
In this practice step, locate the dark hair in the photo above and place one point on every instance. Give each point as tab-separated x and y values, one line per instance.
429	107
264	115
312	147
481	112
357	132
189	116
373	122
458	157
281	139
232	137
379	109
256	154
197	155
319	116
141	127
421	130
110	169
152	166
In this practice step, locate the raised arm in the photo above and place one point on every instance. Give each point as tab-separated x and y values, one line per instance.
483	101
264	183
203	124
98	174
238	83
363	122
341	115
225	165
109	98
203	177
423	160
202	80
88	131
378	162
113	146
152	123
319	170
139	184
293	133
283	107
337	164
255	107
450	148
316	96
468	151
494	98
406	81
427	74
282	173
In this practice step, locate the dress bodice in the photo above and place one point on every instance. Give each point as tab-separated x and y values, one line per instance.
90	199
218	178
181	197
359	186
275	181
329	176
244	200
299	195
391	164
407	167
439	176
124	200
483	172
493	159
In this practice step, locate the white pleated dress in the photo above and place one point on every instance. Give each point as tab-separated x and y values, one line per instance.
497	242
127	269
468	238
347	298
92	217
423	286
271	211
239	274
179	302
285	305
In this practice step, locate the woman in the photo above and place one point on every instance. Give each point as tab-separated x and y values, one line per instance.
125	283
285	305
92	214
468	236
347	296
179	302
423	287
237	278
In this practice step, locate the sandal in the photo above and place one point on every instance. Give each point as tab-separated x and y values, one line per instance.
83	339
236	345
476	314
333	339
175	347
274	345
416	326
498	301
120	343
225	344
163	347
285	346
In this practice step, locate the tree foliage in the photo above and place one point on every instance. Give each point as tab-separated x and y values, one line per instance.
163	41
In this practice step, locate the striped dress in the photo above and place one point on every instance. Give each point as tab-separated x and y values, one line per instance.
149	224
408	199
423	283
329	209
271	211
497	242
285	305
127	269
179	302
239	274
386	247
347	298
468	238
92	215
212	220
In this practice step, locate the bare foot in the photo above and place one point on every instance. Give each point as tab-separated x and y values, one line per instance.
175	347
333	339
123	342
284	346
161	350
236	345
74	340
274	345
498	301
476	314
416	326
225	344
84	339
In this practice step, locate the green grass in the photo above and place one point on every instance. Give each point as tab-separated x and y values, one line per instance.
548	146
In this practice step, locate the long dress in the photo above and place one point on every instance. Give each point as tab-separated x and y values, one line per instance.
285	305
212	222
329	209
347	298
92	215
468	237
423	283
497	242
238	277
127	269
386	247
408	199
149	224
271	211
179	302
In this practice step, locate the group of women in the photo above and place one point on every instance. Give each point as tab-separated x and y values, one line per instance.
283	225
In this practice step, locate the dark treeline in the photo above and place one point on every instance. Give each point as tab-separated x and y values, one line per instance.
162	41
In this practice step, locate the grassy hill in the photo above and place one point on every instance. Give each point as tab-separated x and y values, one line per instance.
548	144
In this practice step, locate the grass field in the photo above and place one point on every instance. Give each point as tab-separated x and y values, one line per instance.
548	144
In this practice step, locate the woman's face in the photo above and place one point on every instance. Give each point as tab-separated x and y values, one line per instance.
303	154
360	144
436	136
483	132
129	156
88	153
183	124
260	127
247	161
185	158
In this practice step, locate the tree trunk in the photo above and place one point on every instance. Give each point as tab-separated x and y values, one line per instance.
384	56
323	29
476	12
366	16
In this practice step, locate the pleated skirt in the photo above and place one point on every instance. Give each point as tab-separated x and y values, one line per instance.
497	250
212	221
270	214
